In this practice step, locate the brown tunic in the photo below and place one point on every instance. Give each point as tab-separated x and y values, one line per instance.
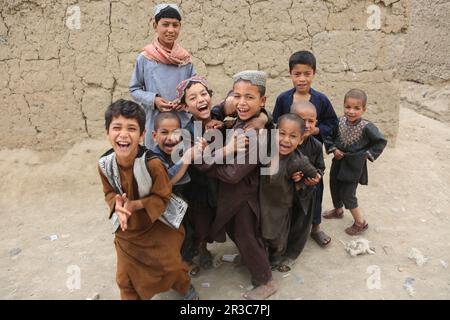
148	252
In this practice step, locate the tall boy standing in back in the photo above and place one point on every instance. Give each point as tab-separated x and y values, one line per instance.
159	68
302	67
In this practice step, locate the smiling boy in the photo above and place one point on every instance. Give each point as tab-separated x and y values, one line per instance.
276	192
352	143
238	210
137	191
160	67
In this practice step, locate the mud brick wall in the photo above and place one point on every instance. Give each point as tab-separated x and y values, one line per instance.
58	74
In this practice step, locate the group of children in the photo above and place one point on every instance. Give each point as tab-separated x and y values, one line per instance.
268	217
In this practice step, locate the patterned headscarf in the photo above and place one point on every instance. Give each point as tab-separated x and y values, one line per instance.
181	87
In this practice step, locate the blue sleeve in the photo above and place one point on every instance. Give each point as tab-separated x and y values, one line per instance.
327	119
278	109
137	86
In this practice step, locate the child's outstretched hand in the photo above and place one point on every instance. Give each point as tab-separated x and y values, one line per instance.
338	154
313	181
214	124
238	143
297	176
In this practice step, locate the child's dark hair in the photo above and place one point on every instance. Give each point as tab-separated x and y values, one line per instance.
168	12
160	117
302	57
127	109
191	83
357	94
295	118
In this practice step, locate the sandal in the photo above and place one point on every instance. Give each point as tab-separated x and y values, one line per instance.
205	259
261	292
194	269
321	238
192	294
333	214
283	268
357	229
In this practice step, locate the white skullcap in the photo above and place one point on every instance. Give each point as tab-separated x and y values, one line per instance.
257	78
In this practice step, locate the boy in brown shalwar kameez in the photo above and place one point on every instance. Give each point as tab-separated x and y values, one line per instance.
238	210
148	251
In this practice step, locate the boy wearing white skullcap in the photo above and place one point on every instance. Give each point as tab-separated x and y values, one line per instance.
160	67
238	210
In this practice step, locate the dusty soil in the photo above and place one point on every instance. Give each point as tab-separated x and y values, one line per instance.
406	204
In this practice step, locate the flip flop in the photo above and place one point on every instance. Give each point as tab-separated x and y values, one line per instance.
194	269
321	238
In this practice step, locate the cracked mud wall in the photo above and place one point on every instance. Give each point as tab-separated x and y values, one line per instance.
425	72
55	82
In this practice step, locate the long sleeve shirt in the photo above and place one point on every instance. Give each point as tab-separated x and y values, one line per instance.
150	79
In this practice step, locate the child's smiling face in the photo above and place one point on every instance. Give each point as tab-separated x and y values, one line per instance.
168	30
198	101
247	99
290	137
302	76
354	109
124	135
168	135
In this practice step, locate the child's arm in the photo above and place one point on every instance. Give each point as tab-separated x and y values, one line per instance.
327	119
278	110
115	202
263	120
149	100
156	203
377	142
177	171
110	194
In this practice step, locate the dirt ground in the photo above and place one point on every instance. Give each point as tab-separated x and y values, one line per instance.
406	204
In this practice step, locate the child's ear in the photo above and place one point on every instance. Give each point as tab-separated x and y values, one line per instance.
154	134
141	138
263	100
154	25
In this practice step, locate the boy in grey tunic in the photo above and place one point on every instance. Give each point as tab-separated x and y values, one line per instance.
159	68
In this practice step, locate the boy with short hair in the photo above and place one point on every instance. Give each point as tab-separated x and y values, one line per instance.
160	67
137	191
167	135
352	143
238	212
302	68
277	190
312	148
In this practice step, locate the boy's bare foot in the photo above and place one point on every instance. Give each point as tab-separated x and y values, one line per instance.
262	292
333	214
